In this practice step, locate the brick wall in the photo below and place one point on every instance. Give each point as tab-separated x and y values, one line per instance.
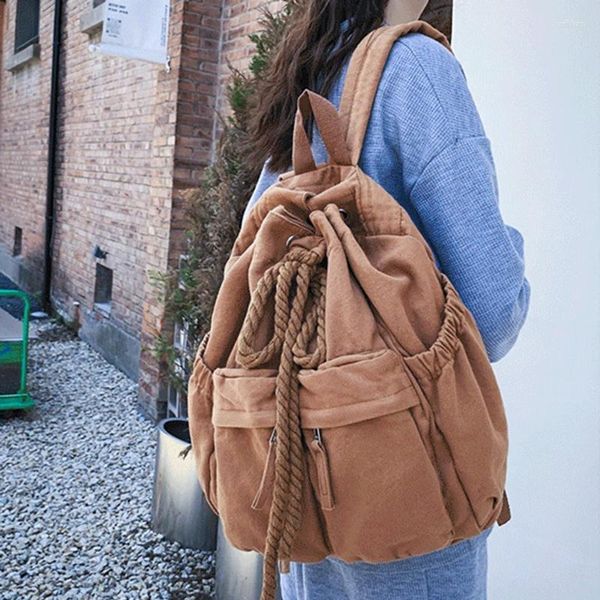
130	136
24	104
240	18
107	141
196	61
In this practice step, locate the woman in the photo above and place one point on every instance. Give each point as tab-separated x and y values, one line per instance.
426	145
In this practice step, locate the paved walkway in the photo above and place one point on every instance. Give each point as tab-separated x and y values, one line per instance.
14	306
11	329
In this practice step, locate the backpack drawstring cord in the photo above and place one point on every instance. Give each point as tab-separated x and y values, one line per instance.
299	317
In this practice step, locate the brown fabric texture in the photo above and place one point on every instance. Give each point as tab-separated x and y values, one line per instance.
343	402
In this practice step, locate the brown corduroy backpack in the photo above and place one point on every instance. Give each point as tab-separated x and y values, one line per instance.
343	402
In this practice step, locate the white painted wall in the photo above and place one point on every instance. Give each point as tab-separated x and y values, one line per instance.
533	70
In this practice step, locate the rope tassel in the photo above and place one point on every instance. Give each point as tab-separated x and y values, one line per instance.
293	281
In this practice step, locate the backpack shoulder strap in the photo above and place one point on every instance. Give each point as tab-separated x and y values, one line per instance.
364	72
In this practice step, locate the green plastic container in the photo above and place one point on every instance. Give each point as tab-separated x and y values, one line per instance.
13	360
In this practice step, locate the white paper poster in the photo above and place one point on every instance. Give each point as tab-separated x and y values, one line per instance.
136	29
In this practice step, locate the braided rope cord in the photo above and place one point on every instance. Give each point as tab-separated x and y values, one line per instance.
298	285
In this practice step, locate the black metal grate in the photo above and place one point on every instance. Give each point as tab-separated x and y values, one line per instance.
27	23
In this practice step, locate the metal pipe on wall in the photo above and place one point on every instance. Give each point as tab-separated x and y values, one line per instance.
52	153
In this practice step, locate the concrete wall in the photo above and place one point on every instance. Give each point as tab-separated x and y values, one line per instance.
533	69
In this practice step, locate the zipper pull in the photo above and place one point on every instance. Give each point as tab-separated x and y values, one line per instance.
260	497
323	476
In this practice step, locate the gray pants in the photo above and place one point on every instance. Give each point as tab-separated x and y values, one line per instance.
458	572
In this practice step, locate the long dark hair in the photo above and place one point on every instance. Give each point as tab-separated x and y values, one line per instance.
311	53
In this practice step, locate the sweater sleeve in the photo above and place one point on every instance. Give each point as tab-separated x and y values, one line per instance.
455	197
451	184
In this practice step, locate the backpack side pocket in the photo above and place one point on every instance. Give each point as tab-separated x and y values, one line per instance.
245	447
200	403
457	382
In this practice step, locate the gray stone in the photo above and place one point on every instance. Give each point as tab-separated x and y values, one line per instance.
76	487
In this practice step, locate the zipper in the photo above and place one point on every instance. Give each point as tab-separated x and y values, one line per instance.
261	496
323	474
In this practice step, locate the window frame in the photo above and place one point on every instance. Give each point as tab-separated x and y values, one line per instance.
21	16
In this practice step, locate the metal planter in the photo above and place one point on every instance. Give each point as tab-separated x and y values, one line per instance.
238	574
179	509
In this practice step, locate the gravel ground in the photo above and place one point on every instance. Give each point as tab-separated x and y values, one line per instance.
76	479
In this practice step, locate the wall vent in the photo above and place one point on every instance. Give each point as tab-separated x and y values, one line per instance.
103	288
18	242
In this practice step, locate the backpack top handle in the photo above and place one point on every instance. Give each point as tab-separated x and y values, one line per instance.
343	132
330	127
364	72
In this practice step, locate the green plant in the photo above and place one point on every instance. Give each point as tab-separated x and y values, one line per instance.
214	213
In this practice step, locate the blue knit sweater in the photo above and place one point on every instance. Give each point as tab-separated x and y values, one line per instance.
426	145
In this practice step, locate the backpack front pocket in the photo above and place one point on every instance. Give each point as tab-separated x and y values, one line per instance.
378	490
371	490
245	445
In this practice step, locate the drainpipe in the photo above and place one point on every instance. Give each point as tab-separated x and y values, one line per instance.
52	148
